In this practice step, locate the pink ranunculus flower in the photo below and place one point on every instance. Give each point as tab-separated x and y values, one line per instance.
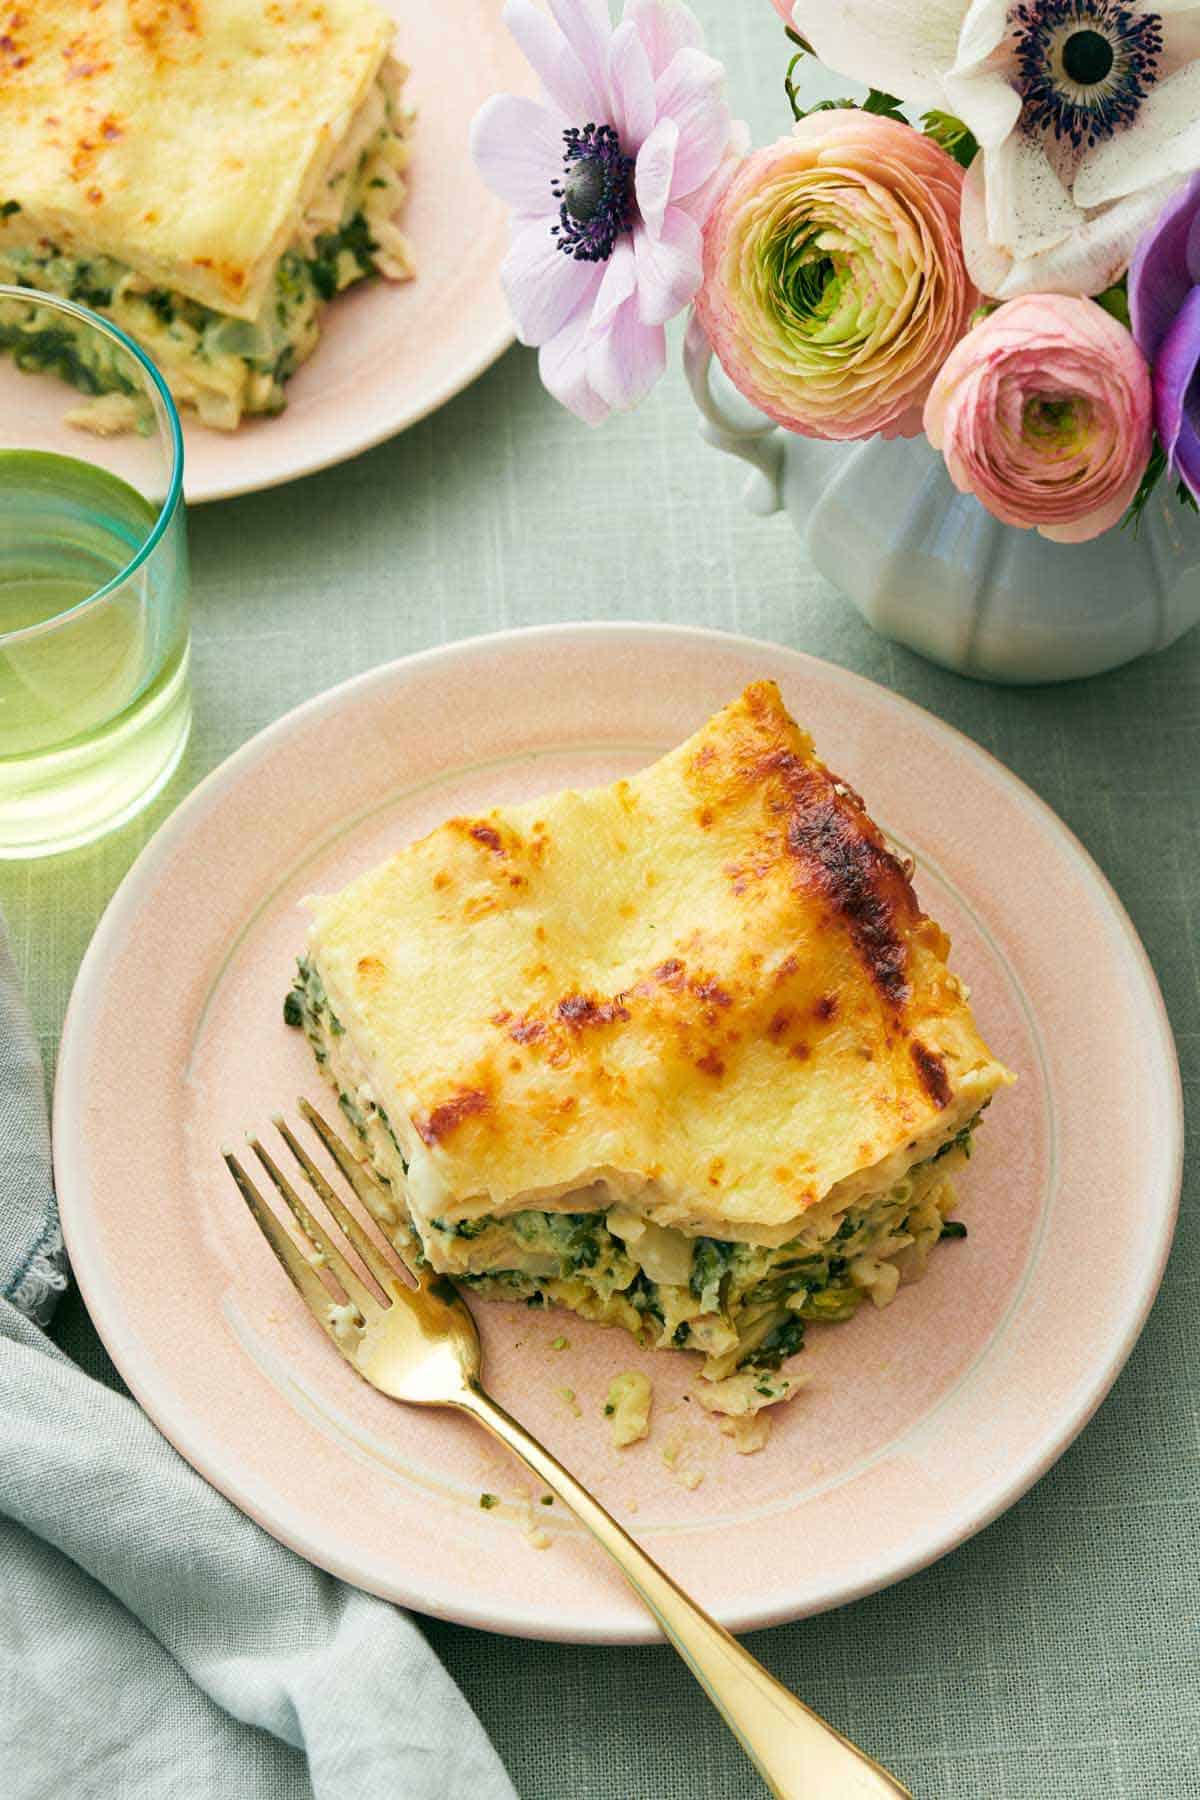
784	8
610	175
834	285
1043	412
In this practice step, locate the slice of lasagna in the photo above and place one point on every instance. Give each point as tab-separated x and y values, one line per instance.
682	1054
205	173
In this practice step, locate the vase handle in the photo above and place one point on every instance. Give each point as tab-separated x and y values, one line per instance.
759	444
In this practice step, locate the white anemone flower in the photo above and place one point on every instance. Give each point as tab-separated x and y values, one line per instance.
1087	113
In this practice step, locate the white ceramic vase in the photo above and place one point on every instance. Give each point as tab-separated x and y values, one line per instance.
927	566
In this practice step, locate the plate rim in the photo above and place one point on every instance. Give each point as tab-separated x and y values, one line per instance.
503	339
230	465
71	1183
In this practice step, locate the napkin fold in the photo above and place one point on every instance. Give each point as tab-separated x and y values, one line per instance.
153	1640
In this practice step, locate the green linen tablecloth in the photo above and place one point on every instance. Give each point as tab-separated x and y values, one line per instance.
1058	1653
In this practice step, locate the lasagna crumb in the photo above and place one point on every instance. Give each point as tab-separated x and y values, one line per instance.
743	1395
107	415
749	1433
531	1531
676	1456
345	1322
627	1408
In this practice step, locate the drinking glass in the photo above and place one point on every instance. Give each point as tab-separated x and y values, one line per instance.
94	697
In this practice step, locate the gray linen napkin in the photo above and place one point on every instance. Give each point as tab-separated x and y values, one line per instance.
154	1641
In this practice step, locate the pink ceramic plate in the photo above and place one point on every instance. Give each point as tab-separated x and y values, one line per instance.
920	1423
389	352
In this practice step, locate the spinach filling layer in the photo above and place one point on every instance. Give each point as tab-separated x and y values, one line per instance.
179	332
744	1306
222	365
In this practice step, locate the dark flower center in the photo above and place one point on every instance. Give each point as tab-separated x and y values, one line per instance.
583	190
1083	66
595	193
1087	57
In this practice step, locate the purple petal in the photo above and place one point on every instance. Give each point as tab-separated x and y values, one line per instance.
691	91
1174	375
654	173
668	267
626	359
566	81
518	149
544	287
1187	457
631	88
1159	274
664	27
562	365
587	27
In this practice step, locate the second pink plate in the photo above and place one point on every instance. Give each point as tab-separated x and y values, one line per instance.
390	352
918	1424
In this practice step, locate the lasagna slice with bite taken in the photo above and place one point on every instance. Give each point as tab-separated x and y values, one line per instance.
208	176
681	1054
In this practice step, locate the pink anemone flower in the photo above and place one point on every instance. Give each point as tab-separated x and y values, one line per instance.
611	174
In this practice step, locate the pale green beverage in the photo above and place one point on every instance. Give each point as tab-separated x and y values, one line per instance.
94	706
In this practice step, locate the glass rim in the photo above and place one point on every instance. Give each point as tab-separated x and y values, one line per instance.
174	494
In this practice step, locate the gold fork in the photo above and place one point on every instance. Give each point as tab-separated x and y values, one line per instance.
419	1344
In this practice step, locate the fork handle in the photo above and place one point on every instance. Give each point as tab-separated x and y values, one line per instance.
797	1754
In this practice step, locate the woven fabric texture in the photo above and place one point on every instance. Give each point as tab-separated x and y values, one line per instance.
1057	1655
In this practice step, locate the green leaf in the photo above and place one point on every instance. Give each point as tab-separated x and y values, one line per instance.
789	86
1115	300
1151	476
1154	471
953	136
886	105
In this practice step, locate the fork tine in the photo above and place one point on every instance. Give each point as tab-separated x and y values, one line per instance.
371	1255
313	1292
352	1284
369	1188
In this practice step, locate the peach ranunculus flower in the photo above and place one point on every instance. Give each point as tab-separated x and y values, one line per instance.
834	285
1043	412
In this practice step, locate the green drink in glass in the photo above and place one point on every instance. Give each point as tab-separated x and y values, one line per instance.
94	703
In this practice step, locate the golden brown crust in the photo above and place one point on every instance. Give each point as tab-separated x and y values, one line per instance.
435	1127
932	1070
183	137
715	977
